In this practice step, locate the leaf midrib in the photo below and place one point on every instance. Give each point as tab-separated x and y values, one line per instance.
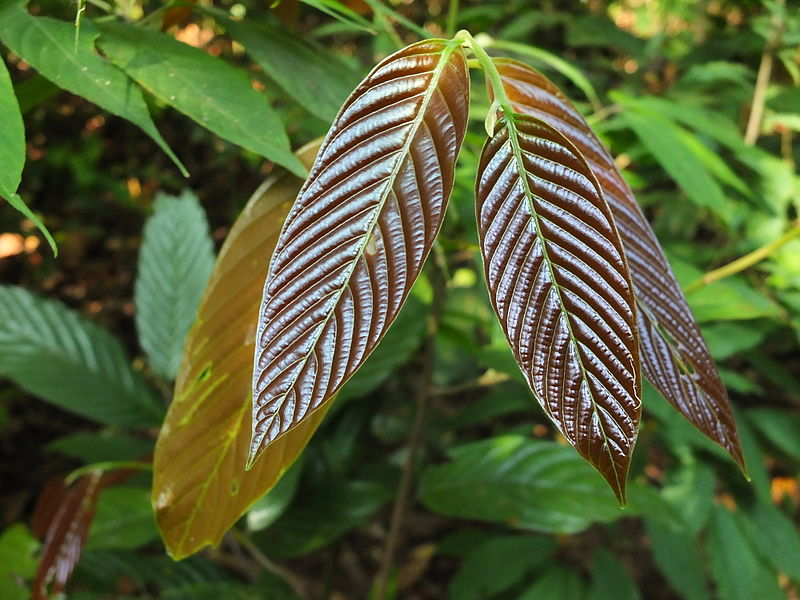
535	219
447	51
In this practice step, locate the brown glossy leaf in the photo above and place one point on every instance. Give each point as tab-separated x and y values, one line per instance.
558	281
200	487
675	358
358	233
63	515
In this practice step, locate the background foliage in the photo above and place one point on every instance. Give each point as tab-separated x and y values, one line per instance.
699	101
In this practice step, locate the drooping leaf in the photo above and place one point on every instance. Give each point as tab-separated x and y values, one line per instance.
175	260
675	357
204	88
528	484
69	361
12	151
67	512
358	234
109	445
200	487
559	284
49	47
775	537
315	78
272	505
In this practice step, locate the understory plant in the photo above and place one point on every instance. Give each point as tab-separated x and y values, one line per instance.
342	301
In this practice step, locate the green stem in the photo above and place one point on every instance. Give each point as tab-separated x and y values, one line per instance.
744	262
452	17
489	69
109	465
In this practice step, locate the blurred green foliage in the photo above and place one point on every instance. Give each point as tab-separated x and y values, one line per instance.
700	103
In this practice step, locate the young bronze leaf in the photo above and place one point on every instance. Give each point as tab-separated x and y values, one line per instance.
200	487
558	282
675	358
63	515
358	233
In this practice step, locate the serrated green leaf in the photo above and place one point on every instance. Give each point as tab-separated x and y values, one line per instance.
610	580
678	558
317	79
175	261
497	565
204	88
58	355
524	483
737	571
124	519
49	46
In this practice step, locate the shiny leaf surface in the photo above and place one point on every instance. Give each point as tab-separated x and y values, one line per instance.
675	357
559	284
63	515
358	234
200	487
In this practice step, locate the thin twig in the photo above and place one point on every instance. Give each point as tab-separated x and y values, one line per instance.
744	262
297	584
417	435
762	79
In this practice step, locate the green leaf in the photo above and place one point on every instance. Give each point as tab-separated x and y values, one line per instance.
204	88
610	580
317	79
341	13
321	515
497	565
102	446
780	427
676	555
175	261
528	484
17	561
12	151
727	339
557	583
738	572
266	510
124	519
775	537
670	146
58	355
49	47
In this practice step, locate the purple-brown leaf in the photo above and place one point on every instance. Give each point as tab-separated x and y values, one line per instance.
559	283
675	358
358	233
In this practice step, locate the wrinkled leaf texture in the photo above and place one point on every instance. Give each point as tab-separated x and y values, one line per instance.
675	358
200	487
560	286
359	232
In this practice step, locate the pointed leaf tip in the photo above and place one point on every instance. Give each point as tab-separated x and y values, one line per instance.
675	357
359	232
560	286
